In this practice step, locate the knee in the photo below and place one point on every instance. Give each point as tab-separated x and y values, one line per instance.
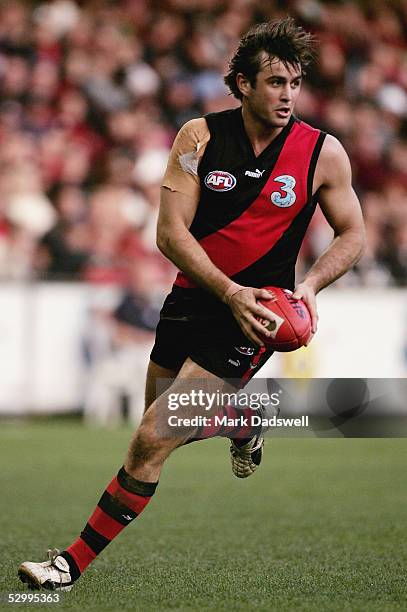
147	445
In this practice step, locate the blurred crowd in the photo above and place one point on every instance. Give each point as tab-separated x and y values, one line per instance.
92	94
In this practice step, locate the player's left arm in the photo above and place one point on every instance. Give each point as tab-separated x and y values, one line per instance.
341	208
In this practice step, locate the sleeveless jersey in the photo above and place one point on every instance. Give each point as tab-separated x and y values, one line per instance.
253	211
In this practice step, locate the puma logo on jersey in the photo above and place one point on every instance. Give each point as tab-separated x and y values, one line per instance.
256	174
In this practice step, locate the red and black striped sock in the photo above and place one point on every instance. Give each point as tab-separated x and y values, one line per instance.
124	499
241	424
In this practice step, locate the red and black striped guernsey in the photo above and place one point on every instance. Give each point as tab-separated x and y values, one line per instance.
253	211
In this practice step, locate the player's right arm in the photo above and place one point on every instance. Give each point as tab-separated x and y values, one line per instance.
178	205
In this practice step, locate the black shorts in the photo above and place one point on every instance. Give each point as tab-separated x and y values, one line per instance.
195	324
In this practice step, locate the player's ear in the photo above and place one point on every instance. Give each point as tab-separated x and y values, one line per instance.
243	83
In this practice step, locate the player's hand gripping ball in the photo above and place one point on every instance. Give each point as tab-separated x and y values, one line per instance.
292	326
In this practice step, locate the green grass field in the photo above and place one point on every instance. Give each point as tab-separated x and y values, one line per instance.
322	525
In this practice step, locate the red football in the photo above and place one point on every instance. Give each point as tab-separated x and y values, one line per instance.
292	327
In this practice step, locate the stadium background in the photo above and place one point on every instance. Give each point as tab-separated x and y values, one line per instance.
91	96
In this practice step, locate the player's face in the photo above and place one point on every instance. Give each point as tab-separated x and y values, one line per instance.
273	97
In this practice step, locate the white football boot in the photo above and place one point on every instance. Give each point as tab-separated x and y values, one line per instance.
51	575
246	458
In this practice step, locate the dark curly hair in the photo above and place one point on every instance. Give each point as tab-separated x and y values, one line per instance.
281	39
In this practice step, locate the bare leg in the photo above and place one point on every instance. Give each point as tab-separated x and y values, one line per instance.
148	450
128	493
155	372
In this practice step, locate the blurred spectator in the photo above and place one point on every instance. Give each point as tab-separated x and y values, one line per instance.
92	95
127	335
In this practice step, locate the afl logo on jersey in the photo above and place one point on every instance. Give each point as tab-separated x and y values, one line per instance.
218	180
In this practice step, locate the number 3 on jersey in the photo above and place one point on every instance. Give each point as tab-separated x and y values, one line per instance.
289	197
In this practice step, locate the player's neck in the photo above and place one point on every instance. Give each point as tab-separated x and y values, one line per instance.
259	133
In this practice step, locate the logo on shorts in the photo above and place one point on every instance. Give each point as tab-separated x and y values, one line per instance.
245	350
236	362
218	180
